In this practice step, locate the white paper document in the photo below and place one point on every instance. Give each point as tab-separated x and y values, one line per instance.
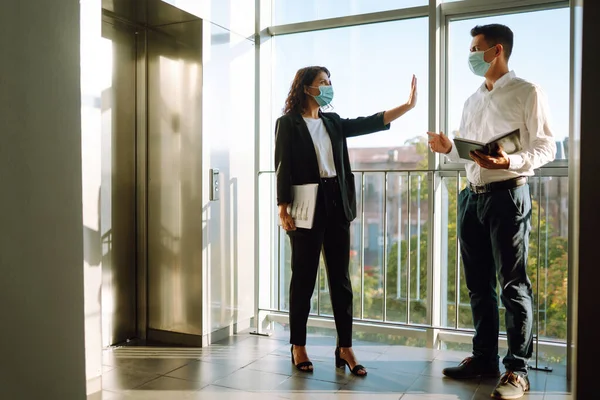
303	204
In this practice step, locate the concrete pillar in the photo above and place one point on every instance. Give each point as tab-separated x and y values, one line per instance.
41	250
586	164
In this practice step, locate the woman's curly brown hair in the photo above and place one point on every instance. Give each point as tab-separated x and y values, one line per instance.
296	99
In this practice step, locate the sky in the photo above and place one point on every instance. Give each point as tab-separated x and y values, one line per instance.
372	65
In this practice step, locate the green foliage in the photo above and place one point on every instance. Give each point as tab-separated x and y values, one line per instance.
549	280
551	275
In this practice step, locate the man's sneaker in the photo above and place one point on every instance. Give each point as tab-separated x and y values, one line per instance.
512	385
471	368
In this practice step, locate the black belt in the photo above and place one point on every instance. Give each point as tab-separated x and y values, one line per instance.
502	185
333	179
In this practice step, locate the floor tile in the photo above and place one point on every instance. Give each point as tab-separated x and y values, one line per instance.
537	381
229	360
203	371
298	384
108	395
557	385
557	370
246	379
461	390
102	395
256	367
372	348
245	339
450	355
158	366
213	392
275	364
167	384
120	379
153	395
363	356
487	386
365	395
320	352
326	371
382	382
433	396
484	394
558	397
234	340
234	352
412	353
410	367
436	367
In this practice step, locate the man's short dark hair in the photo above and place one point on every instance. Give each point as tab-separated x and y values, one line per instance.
496	34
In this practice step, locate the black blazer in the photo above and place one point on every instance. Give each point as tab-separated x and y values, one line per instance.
296	158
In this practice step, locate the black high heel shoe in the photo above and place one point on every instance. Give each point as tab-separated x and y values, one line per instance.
305	366
341	363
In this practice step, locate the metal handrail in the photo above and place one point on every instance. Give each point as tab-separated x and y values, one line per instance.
406	175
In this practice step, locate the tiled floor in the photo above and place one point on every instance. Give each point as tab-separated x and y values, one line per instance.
253	367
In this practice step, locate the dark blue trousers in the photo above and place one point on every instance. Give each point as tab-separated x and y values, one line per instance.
493	231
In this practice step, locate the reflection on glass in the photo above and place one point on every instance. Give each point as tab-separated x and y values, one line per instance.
547	262
270	279
548	258
356	248
397	246
554	81
228	144
285	270
373	245
449	251
389	238
407	245
234	15
325	307
368	77
290	11
418	247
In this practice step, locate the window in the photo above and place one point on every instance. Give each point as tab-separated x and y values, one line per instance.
291	11
369	75
392	238
540	55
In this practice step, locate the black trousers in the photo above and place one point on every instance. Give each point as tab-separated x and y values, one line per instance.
330	234
493	230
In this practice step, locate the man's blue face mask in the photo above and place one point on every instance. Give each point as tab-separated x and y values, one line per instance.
477	64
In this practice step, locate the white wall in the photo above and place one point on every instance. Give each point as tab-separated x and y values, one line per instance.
41	281
94	66
228	144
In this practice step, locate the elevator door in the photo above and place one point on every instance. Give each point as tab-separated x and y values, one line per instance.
118	185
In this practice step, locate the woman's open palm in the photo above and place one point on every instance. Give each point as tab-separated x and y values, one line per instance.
412	97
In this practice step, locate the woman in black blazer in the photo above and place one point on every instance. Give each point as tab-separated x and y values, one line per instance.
310	147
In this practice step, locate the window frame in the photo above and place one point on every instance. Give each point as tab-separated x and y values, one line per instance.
439	15
471	9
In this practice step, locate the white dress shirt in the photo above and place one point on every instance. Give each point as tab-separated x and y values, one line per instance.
323	148
512	103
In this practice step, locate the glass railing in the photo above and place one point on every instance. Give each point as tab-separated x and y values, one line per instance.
404	259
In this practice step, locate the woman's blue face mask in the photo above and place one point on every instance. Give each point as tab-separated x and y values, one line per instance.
325	95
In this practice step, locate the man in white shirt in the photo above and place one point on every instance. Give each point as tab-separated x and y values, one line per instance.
494	219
